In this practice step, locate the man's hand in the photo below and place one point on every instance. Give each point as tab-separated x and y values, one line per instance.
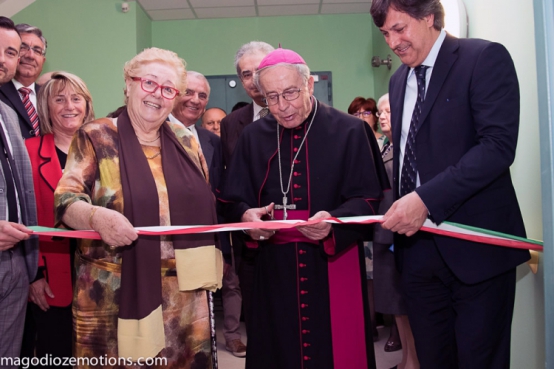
255	215
319	230
406	215
37	292
11	234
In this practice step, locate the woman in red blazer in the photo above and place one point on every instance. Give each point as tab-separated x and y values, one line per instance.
64	103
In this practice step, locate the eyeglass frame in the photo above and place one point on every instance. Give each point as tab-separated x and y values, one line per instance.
384	112
365	113
161	87
277	95
36	49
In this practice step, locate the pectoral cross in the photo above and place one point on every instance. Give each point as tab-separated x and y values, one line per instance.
285	207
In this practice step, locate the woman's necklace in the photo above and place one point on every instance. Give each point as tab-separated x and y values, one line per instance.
143	140
158	153
291	206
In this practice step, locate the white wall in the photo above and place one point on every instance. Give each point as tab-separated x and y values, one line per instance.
512	24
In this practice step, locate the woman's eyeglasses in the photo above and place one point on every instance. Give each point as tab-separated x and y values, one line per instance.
361	114
148	85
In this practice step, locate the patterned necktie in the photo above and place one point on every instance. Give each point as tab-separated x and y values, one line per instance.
31	112
264	112
409	167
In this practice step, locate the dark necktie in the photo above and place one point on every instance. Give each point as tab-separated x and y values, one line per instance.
264	112
31	112
8	178
409	167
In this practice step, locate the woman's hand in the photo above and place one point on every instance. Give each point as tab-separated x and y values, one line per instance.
37	292
255	215
114	228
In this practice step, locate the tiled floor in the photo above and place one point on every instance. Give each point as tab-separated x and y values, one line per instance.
385	360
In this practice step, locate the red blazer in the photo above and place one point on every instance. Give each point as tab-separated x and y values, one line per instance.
54	255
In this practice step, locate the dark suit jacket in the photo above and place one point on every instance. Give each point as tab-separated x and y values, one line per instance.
231	128
54	255
465	144
10	96
211	148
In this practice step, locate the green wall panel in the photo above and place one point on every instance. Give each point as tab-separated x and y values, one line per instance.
92	39
341	44
144	29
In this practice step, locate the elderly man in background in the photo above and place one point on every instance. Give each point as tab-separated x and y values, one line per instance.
247	59
211	120
18	252
187	110
309	283
21	93
455	119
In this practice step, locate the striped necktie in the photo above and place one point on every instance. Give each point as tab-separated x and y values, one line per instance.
409	167
31	112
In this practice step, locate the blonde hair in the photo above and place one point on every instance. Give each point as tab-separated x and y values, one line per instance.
58	82
152	55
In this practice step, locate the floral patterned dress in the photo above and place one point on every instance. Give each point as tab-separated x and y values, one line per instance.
92	174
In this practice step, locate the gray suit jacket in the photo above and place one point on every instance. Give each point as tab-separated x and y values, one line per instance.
27	193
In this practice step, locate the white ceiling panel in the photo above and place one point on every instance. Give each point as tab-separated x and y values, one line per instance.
9	8
271	11
170	14
205	9
220	3
286	2
163	4
228	12
344	8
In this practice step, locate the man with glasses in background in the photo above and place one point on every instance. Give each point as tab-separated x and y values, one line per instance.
21	93
305	161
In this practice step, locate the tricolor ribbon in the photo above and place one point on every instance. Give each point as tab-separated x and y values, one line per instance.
448	229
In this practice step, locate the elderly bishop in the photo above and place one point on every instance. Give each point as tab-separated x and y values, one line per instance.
308	161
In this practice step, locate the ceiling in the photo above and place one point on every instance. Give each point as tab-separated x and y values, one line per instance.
159	10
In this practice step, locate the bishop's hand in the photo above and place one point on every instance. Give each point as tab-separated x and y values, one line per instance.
255	215
319	230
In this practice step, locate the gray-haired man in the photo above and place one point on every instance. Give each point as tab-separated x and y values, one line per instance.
20	94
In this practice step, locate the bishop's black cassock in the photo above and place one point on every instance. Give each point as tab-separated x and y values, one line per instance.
310	305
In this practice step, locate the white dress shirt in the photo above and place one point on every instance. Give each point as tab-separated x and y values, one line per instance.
411	96
257	109
32	95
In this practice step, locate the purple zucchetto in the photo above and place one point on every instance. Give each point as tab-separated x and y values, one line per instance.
281	56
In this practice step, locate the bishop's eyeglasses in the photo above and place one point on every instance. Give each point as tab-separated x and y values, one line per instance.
288	95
